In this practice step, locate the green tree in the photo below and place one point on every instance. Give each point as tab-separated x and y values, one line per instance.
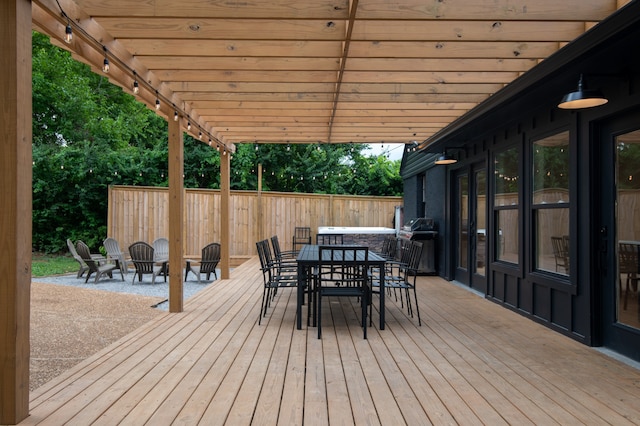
89	134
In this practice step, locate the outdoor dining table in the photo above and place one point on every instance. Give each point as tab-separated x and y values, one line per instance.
308	258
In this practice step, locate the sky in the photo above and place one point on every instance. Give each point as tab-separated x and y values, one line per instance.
394	150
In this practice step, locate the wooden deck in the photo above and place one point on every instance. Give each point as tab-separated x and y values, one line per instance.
471	362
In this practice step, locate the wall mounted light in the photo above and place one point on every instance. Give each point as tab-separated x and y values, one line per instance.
582	97
412	147
445	158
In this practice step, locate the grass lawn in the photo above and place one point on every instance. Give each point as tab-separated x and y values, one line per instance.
43	265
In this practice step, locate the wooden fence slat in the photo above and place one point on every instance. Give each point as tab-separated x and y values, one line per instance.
141	213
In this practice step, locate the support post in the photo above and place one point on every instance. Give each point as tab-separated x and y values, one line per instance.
225	203
259	214
15	198
176	215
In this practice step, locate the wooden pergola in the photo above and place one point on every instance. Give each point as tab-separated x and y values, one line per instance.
312	71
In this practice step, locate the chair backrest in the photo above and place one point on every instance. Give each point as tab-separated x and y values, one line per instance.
405	251
415	255
85	254
628	255
113	250
389	247
275	243
74	252
161	248
142	256
210	257
302	234
261	255
559	248
347	265
329	239
265	264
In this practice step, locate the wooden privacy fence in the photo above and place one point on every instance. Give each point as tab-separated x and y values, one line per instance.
142	214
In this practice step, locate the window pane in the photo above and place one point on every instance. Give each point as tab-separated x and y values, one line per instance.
507	241
551	169
463	221
481	221
628	227
506	178
552	240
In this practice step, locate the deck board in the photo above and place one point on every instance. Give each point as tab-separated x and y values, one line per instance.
471	362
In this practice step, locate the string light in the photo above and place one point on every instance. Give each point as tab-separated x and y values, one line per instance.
68	33
105	63
94	43
136	86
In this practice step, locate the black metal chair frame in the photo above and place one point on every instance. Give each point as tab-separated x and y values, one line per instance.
274	274
347	276
301	236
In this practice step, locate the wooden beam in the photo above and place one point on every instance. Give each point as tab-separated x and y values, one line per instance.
15	198
176	216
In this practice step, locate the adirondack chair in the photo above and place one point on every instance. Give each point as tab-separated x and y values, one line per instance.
142	256
83	266
93	265
208	263
114	253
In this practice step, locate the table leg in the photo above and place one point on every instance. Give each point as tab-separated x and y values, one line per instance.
382	295
300	296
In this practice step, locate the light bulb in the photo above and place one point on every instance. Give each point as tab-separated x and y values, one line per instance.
200	135
105	65
157	104
136	87
68	34
175	116
188	125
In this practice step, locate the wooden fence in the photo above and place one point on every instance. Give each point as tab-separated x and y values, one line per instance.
142	213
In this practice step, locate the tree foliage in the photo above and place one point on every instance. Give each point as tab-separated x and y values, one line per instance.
89	134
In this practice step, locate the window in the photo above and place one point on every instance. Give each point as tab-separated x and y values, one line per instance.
550	203
506	206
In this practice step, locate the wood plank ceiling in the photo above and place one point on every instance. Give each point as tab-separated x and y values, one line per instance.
317	71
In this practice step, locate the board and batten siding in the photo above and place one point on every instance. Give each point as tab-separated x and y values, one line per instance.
142	214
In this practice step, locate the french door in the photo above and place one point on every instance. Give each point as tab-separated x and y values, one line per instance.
620	234
470	227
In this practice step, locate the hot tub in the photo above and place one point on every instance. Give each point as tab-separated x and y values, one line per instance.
370	236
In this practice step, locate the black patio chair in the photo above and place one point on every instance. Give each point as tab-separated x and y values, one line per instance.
301	236
343	273
274	276
401	276
329	239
